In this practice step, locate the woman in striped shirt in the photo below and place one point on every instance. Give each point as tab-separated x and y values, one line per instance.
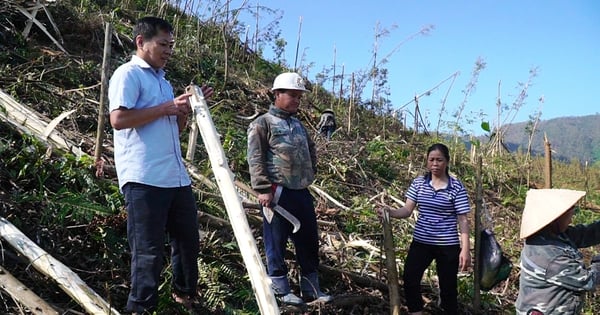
443	204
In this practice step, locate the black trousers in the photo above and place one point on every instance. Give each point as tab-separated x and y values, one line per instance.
418	259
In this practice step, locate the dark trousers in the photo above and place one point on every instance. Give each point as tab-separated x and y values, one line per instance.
152	211
306	240
418	259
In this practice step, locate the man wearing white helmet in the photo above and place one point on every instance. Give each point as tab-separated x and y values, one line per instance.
282	162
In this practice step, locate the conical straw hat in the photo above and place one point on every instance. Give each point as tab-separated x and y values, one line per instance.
542	206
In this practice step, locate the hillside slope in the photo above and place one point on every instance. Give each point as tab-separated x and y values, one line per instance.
57	200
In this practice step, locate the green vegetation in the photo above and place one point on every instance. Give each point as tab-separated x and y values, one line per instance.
56	199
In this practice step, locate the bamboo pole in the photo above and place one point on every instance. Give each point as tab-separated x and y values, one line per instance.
478	208
23	295
67	280
298	44
548	163
41	26
390	261
341	92
237	216
103	97
333	77
192	140
30	122
352	87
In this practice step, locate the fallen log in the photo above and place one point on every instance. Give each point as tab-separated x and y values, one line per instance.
24	295
66	279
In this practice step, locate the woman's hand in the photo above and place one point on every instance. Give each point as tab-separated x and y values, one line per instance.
464	259
380	211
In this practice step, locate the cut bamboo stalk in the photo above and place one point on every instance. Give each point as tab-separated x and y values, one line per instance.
31	122
261	283
41	26
67	280
390	261
24	295
104	78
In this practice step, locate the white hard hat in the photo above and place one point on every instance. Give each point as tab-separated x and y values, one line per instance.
289	81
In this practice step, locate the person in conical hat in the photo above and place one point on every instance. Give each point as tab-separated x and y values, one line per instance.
554	276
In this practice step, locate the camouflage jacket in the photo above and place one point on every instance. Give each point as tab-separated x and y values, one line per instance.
280	151
554	278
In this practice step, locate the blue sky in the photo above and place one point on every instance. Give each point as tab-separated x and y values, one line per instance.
559	38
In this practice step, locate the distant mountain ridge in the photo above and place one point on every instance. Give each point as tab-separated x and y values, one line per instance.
570	137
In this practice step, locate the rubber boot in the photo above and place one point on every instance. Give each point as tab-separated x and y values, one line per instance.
281	288
309	285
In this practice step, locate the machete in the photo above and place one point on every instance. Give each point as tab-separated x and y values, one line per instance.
279	209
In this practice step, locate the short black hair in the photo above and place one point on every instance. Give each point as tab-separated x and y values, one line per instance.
149	27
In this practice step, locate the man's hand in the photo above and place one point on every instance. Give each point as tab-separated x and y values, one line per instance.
182	105
207	91
265	199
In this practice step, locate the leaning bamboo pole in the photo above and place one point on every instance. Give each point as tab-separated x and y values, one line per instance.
237	216
67	280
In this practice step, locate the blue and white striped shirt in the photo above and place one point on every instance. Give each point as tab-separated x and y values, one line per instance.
438	210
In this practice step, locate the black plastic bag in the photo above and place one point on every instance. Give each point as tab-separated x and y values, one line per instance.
494	267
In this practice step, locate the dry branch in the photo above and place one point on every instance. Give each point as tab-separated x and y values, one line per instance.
328	197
